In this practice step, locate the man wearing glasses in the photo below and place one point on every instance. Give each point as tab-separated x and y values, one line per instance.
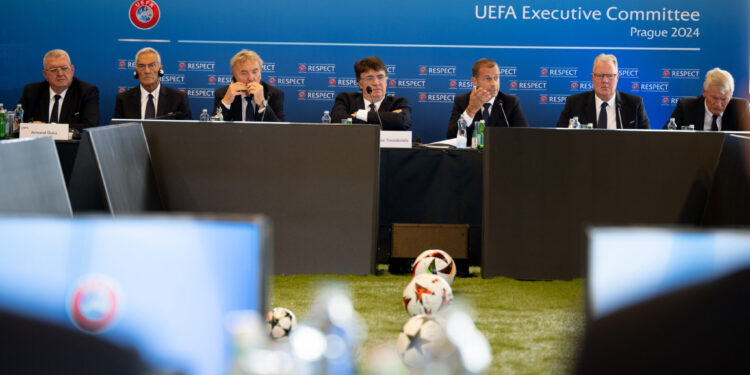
393	112
485	102
151	100
61	98
605	107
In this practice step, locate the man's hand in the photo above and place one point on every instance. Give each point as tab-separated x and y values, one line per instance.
478	97
256	89
236	88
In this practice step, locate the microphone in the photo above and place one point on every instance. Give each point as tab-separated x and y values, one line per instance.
500	103
369	92
265	100
620	117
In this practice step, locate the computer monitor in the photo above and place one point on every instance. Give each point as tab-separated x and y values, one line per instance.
630	265
162	285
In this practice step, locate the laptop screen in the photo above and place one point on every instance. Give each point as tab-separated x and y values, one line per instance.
630	265
161	285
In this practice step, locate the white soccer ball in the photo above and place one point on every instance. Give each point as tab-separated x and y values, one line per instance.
435	262
427	294
280	321
421	340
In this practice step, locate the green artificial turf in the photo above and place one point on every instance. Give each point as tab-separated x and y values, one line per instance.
533	326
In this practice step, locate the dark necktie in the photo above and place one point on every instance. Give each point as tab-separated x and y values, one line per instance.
53	117
714	125
486	113
602	124
150	109
372	107
249	110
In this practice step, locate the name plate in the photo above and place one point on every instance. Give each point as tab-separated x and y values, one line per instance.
58	132
395	139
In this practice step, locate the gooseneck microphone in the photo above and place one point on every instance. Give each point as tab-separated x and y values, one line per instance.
620	125
500	103
168	115
369	92
265	109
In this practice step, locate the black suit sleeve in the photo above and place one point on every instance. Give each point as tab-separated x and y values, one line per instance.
393	120
516	117
678	113
88	112
119	107
565	115
642	121
340	108
183	109
275	110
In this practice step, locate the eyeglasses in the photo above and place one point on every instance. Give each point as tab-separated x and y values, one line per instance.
56	69
602	75
151	66
379	77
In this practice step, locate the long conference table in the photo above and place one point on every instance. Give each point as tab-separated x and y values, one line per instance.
530	195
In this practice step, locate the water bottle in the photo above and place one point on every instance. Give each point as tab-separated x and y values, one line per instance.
10	121
19	115
480	135
326	119
2	121
205	116
219	116
575	123
461	134
672	124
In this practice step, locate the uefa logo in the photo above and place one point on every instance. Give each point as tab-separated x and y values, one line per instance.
182	65
121	90
543	99
94	304
422	69
665	73
452	84
422	97
635	86
332	82
544	71
392	83
122	64
513	85
574	85
302	67
665	100
211	79
301	95
144	14
272	80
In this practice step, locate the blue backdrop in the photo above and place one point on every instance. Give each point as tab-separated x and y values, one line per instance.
545	48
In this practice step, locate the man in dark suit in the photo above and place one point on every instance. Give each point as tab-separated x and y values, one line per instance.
150	99
485	102
248	98
715	109
605	107
393	112
61	98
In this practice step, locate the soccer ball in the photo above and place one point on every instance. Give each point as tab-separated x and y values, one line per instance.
280	321
435	262
427	294
421	340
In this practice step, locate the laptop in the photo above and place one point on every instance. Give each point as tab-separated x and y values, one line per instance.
162	285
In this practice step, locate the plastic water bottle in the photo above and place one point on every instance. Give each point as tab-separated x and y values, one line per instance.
219	116
326	119
575	124
461	135
672	124
205	117
19	115
480	134
2	121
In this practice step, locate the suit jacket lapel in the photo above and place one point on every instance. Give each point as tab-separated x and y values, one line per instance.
163	101
67	105
590	109
618	112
